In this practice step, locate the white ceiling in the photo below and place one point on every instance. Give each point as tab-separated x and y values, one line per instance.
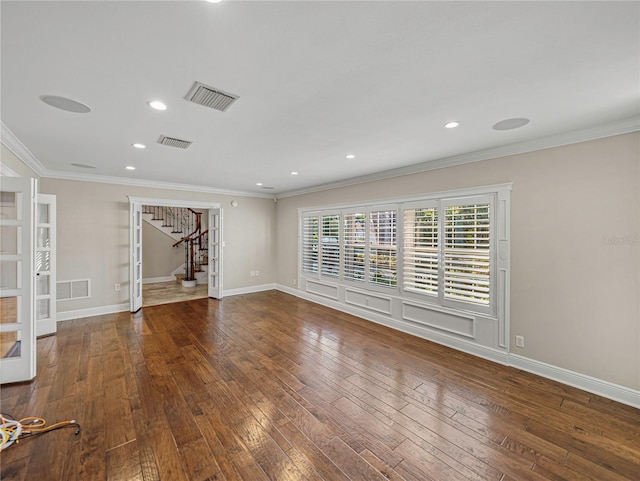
316	80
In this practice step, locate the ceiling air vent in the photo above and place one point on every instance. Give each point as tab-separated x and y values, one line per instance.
172	142
202	94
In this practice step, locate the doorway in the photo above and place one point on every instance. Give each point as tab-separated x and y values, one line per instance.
213	245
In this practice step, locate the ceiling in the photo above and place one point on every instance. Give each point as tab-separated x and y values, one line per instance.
316	81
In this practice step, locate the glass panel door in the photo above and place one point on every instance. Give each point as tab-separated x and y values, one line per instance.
45	265
135	231
17	333
215	253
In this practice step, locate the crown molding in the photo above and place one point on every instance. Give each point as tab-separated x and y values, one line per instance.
105	179
18	148
12	143
620	127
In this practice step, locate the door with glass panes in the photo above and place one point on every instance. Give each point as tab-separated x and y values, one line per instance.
17	329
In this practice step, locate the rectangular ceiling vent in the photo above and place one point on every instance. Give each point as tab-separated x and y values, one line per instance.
202	94
173	142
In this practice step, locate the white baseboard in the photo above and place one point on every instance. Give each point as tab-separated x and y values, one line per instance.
591	384
92	311
249	290
587	383
153	280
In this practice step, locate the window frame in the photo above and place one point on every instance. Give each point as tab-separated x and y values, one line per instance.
471	200
498	198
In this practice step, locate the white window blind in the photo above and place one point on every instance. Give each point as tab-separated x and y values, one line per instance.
467	258
354	246
330	245
382	248
420	253
436	249
310	244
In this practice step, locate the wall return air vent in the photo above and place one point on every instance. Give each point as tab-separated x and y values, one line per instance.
173	142
202	94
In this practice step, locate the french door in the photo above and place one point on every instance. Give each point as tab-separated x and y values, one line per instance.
214	277
135	243
215	253
17	329
45	265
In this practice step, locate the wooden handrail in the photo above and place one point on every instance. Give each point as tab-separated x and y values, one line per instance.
188	236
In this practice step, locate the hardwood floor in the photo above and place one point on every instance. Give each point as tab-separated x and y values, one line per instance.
167	292
267	386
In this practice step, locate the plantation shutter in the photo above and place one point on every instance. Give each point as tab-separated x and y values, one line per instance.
420	253
467	252
330	245
354	246
383	248
309	245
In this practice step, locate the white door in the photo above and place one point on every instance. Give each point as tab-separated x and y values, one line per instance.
135	230
45	265
215	253
17	330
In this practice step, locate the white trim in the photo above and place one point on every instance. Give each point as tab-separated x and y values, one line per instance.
104	179
92	311
620	127
591	384
587	383
611	129
194	204
439	338
6	171
428	196
250	289
153	280
12	143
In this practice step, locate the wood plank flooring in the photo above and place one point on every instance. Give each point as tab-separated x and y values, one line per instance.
158	293
267	386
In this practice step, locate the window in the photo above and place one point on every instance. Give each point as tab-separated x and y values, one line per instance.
382	247
420	255
440	249
330	245
354	246
467	250
310	244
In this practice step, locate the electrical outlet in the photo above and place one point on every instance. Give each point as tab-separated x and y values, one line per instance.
257	273
295	282
116	287
519	341
252	273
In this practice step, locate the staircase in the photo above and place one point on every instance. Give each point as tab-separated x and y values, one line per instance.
184	225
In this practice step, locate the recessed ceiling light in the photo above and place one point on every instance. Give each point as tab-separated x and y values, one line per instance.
157	105
294	173
350	156
510	124
451	125
130	167
214	1
64	103
258	183
139	146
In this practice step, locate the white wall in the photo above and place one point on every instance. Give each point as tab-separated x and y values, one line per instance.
575	263
159	257
93	237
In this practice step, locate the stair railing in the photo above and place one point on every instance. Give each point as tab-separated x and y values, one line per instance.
188	222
